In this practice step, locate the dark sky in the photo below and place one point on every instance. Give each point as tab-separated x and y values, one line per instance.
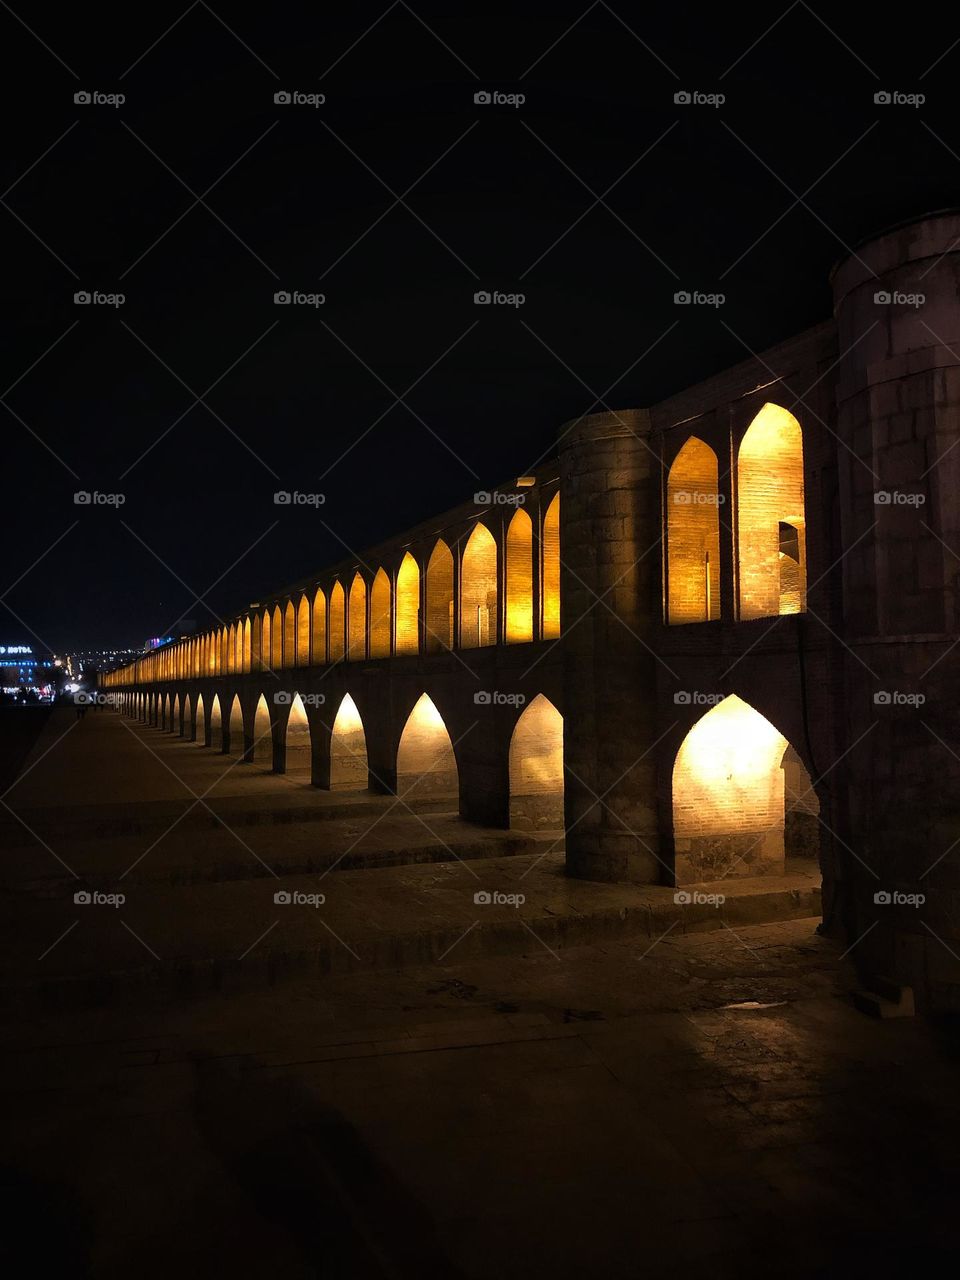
597	198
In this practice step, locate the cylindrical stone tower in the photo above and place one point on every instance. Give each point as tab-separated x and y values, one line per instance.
610	598
897	303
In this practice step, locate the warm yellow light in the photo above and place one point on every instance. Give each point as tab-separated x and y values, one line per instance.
519	592
693	535
408	606
526	482
348	717
771	504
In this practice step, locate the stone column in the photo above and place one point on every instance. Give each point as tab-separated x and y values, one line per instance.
610	549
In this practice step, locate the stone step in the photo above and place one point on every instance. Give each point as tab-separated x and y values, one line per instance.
881	997
164	942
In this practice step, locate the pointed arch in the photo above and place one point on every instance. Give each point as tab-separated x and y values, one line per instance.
303	632
290	635
407	626
263	734
380	616
337	622
693	535
729	793
265	640
235	727
439	599
199	721
358	619
550	590
349	770
771	523
276	639
256	663
215	727
298	742
478	590
536	768
318	643
246	654
519	579
426	764
176	727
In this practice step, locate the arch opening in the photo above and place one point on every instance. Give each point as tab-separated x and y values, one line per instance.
380	616
426	764
407	629
349	770
215	728
439	628
693	535
337	622
290	635
478	590
536	768
771	525
519	579
550	603
199	721
298	740
262	735
303	632
731	781
235	727
358	620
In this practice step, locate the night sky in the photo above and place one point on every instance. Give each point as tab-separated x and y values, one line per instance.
398	198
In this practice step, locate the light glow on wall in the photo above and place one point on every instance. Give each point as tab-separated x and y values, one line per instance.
550	588
519	584
426	763
478	590
439	595
337	622
348	749
693	535
536	767
770	516
380	616
408	606
358	619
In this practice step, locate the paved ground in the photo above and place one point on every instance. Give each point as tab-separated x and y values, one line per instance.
596	1088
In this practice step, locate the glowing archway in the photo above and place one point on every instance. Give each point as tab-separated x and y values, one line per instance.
536	768
199	720
728	794
478	590
439	598
771	525
235	727
426	764
380	616
318	640
290	635
175	725
349	770
408	606
358	619
265	640
337	622
276	639
550	592
298	757
303	632
519	579
693	535
262	734
246	653
216	728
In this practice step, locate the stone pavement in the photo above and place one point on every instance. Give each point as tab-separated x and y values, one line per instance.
709	1106
251	887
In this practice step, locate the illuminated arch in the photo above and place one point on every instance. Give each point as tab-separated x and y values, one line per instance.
519	579
175	726
536	768
303	632
216	724
235	727
550	591
276	639
262	734
478	590
290	635
165	712
222	639
298	754
407	626
319	638
771	526
439	600
246	653
358	619
199	732
265	644
728	794
426	764
256	663
693	535
348	749
380	616
337	622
